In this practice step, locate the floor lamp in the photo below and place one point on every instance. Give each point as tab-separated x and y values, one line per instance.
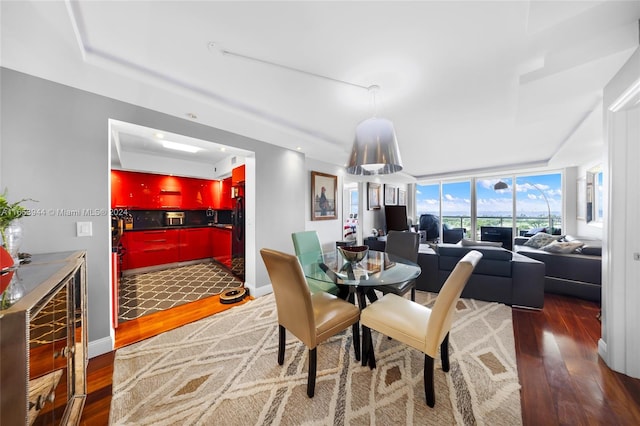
503	185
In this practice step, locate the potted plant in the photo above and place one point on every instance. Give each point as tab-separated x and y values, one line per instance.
11	235
10	229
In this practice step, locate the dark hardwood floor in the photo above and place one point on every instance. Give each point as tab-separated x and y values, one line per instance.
563	379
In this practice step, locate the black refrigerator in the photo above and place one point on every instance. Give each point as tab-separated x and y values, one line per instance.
237	240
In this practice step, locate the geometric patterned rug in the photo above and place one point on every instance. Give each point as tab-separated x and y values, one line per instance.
151	292
223	370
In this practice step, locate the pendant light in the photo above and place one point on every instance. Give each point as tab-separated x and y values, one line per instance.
375	148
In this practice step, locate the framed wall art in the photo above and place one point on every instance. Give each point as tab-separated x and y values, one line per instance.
324	190
390	195
402	197
373	196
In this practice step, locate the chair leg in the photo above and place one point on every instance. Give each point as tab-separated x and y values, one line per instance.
428	381
311	381
355	329
281	341
444	353
366	339
368	357
413	294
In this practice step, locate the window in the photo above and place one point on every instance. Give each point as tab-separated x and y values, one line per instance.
538	203
456	205
427	200
494	203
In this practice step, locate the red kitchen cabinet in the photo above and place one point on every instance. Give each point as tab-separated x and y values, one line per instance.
195	243
117	192
221	245
133	190
220	191
150	248
237	175
167	192
226	202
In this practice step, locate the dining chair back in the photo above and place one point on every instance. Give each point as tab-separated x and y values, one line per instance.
308	249
312	318
406	246
416	325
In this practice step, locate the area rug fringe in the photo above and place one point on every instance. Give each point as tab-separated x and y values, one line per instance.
223	370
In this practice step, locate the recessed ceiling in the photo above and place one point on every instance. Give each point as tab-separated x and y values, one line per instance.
469	85
135	147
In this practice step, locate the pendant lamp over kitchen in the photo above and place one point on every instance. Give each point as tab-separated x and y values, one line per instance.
375	148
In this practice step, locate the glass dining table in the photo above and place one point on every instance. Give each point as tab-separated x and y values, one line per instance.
359	278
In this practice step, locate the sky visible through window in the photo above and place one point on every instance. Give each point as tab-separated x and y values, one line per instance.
529	197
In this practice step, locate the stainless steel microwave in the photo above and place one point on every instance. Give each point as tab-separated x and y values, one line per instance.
174	218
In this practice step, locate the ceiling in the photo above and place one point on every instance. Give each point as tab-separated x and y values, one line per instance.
470	86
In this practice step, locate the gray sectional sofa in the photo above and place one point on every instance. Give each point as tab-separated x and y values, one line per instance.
577	274
501	276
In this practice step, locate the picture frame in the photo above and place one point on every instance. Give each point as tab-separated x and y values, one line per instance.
373	196
402	197
324	191
390	195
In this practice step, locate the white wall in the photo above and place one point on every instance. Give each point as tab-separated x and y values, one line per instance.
620	342
54	145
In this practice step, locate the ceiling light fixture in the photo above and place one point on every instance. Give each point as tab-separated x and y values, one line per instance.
180	147
375	148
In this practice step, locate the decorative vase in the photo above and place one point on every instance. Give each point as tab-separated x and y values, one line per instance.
12	239
13	292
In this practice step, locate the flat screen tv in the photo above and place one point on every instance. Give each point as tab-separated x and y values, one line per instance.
396	218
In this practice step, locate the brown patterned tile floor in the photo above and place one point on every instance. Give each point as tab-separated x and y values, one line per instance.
156	291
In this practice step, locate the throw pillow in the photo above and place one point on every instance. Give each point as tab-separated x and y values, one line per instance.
470	243
563	247
540	240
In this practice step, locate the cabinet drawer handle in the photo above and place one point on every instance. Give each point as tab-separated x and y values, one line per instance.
152	250
64	352
156	241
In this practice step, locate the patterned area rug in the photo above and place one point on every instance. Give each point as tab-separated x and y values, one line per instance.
223	370
151	292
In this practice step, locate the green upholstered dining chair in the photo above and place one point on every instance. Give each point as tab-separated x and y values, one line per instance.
404	245
312	318
416	325
308	250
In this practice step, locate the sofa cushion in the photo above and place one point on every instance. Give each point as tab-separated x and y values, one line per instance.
540	240
572	266
563	246
495	260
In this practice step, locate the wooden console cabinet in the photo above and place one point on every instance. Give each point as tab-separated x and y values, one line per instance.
43	343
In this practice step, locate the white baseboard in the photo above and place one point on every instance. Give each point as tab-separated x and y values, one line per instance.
602	349
260	291
100	346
